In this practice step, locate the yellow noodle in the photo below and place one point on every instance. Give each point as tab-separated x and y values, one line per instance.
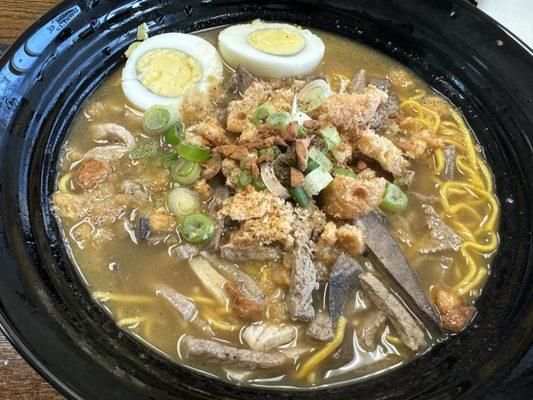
129	321
313	361
462	196
394	340
122	298
223	326
421	94
439	161
203	300
63	182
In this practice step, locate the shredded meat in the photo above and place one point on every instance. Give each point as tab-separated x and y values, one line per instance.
348	198
212	167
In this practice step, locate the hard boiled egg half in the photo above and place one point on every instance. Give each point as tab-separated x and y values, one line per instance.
164	67
271	50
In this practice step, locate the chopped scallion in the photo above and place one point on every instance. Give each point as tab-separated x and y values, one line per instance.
261	113
196	228
185	171
182	201
394	199
158	119
345	172
299	196
143	150
331	137
279	120
174	134
320	158
245	179
193	152
316	181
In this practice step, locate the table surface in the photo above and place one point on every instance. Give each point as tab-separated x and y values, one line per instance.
18	381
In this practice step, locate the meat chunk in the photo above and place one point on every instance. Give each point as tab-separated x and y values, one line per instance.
241	80
343	279
250	253
303	282
266	336
357	83
212	351
321	327
185	251
392	261
185	307
349	198
352	112
91	172
114	133
410	333
386	110
383	151
454	314
245	307
441	233
368	331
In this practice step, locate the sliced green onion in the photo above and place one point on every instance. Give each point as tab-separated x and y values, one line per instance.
174	134
298	194
345	172
258	183
261	113
144	150
196	228
316	181
279	120
245	179
185	171
311	166
158	119
272	150
246	159
311	96
301	131
331	137
182	201
169	159
272	182
320	158
193	152
394	199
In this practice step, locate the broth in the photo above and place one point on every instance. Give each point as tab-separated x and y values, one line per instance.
124	272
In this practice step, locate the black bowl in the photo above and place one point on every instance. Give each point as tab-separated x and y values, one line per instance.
52	69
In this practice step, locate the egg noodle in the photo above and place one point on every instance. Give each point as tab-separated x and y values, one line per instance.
481	238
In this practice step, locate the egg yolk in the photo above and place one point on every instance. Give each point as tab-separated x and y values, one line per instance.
279	42
168	72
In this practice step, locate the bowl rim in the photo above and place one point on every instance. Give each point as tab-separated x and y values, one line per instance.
10	331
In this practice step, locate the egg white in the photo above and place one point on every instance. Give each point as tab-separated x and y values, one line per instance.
235	49
199	49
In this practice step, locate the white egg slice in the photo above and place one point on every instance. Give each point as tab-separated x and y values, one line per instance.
271	50
164	67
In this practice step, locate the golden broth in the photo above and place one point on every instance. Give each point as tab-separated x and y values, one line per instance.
122	274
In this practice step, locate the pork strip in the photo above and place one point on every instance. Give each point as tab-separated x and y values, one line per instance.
215	352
